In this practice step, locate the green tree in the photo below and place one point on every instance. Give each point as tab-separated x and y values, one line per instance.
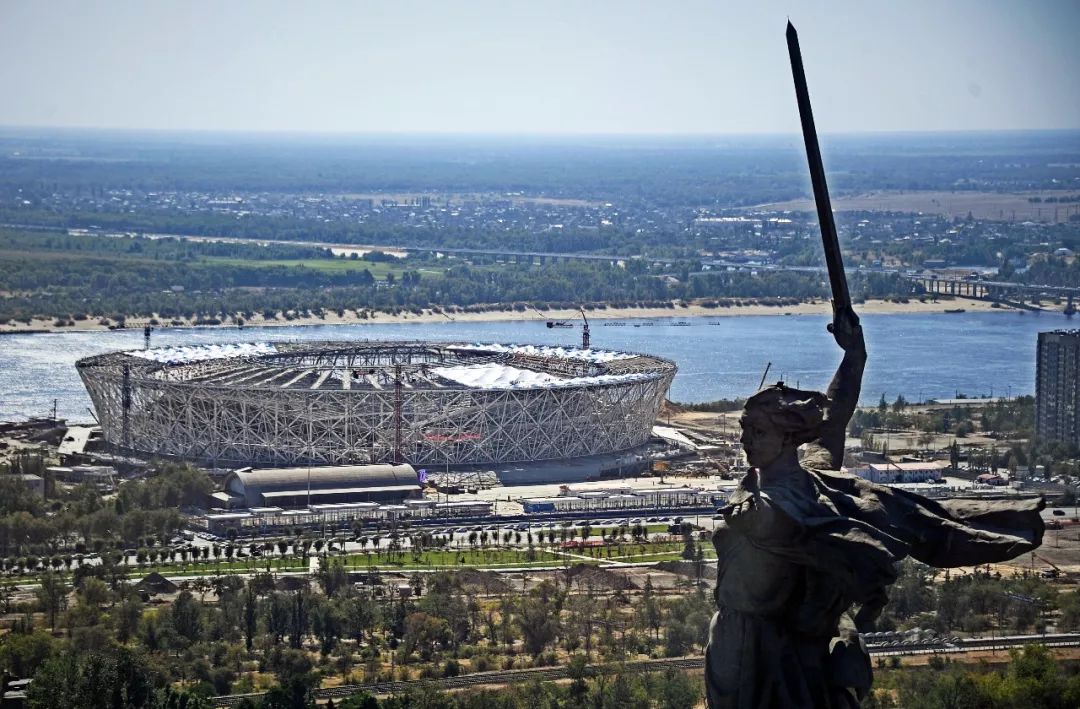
52	593
21	654
97	680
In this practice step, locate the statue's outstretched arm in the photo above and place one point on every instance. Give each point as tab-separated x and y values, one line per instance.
844	389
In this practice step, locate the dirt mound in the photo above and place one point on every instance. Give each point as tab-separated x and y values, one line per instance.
586	576
670	408
481	581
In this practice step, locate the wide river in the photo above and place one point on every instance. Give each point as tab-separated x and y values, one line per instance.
919	356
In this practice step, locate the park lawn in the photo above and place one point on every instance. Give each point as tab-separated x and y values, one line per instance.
378	269
227	567
438	558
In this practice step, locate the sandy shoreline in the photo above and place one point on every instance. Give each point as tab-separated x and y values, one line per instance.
876	307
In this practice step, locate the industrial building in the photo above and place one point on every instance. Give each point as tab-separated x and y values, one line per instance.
262	519
428	404
891	473
1057	387
304	487
626	499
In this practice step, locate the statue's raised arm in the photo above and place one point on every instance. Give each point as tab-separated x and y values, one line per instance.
844	389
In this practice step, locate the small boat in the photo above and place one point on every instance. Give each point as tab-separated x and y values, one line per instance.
955	310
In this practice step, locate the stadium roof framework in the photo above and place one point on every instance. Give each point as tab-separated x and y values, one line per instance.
345	403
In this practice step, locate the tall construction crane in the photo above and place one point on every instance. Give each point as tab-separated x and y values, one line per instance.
585	339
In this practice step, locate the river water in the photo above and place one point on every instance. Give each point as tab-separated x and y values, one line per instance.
917	355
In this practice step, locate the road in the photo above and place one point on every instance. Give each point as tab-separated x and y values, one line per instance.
547	674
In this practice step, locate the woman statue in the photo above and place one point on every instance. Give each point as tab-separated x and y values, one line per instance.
805	552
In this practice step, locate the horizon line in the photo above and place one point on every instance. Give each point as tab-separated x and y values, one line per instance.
285	133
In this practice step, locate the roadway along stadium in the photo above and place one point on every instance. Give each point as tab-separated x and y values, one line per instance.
333	403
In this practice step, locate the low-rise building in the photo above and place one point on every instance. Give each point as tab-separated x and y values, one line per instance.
304	487
888	473
35	483
625	499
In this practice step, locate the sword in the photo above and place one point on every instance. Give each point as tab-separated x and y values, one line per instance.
841	300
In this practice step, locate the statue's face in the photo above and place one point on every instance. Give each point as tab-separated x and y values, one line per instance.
760	445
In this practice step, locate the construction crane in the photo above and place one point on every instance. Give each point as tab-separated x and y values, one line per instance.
585	338
1049	574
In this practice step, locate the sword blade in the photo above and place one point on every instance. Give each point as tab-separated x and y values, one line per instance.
837	279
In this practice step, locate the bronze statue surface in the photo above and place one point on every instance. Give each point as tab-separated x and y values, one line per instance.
805	552
803	545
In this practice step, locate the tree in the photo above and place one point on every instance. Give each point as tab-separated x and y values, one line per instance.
677	691
171	698
363	700
52	595
577	669
538	617
186	616
21	654
332	576
118	678
424	633
126	616
250	614
649	611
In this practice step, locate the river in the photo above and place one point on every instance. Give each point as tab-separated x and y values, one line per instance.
917	355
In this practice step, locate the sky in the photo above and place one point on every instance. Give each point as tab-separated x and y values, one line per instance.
542	67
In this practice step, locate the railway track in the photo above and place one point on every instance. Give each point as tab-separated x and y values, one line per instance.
547	674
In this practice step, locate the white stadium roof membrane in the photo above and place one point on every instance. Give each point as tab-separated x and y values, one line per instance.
492	375
597	356
198	353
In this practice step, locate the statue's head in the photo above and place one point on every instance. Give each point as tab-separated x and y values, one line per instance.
779	418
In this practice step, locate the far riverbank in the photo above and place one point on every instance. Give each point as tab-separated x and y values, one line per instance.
739	308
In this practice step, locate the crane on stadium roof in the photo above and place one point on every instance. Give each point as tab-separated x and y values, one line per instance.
585	336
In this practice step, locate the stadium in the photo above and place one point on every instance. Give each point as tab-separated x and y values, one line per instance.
345	403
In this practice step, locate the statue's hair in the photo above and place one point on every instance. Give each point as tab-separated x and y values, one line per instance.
793	412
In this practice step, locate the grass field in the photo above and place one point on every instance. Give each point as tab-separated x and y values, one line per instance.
472	558
377	269
494	558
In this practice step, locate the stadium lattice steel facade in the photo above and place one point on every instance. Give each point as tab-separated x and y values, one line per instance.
428	404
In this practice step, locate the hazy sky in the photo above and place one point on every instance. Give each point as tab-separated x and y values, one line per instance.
564	66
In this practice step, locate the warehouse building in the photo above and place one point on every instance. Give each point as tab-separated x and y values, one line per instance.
891	473
617	500
342	515
305	487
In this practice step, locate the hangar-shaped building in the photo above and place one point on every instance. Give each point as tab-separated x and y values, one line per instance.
301	487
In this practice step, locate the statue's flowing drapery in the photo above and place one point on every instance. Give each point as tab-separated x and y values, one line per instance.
796	556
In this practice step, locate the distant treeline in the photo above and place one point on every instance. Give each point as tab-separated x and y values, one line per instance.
102	286
649	171
718	406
